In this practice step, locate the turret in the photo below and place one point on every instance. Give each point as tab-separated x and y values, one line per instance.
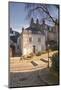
31	22
37	21
43	21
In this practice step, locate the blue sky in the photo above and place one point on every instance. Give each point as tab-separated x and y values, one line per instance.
18	16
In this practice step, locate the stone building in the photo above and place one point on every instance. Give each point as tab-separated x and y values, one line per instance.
32	39
13	42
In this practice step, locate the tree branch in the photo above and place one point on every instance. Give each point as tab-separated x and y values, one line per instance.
44	10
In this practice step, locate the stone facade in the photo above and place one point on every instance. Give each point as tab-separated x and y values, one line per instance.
32	43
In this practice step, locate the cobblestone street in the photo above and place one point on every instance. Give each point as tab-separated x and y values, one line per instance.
33	72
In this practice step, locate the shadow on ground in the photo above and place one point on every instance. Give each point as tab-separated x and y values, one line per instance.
34	78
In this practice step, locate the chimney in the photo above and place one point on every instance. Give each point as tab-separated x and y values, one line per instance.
22	29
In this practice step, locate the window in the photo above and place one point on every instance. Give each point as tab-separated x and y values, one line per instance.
30	39
39	39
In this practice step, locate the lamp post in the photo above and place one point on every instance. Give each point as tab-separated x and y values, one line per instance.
48	55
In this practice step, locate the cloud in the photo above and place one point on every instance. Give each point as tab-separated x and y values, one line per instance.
20	28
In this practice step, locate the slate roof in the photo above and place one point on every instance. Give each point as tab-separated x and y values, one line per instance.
35	29
38	28
13	38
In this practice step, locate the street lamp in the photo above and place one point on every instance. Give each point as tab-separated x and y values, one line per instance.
48	55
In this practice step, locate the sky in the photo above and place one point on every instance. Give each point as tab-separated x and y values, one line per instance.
18	14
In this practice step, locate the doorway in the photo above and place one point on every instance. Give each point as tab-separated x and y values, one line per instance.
12	50
34	49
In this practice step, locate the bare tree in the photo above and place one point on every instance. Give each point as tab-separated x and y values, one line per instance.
42	9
